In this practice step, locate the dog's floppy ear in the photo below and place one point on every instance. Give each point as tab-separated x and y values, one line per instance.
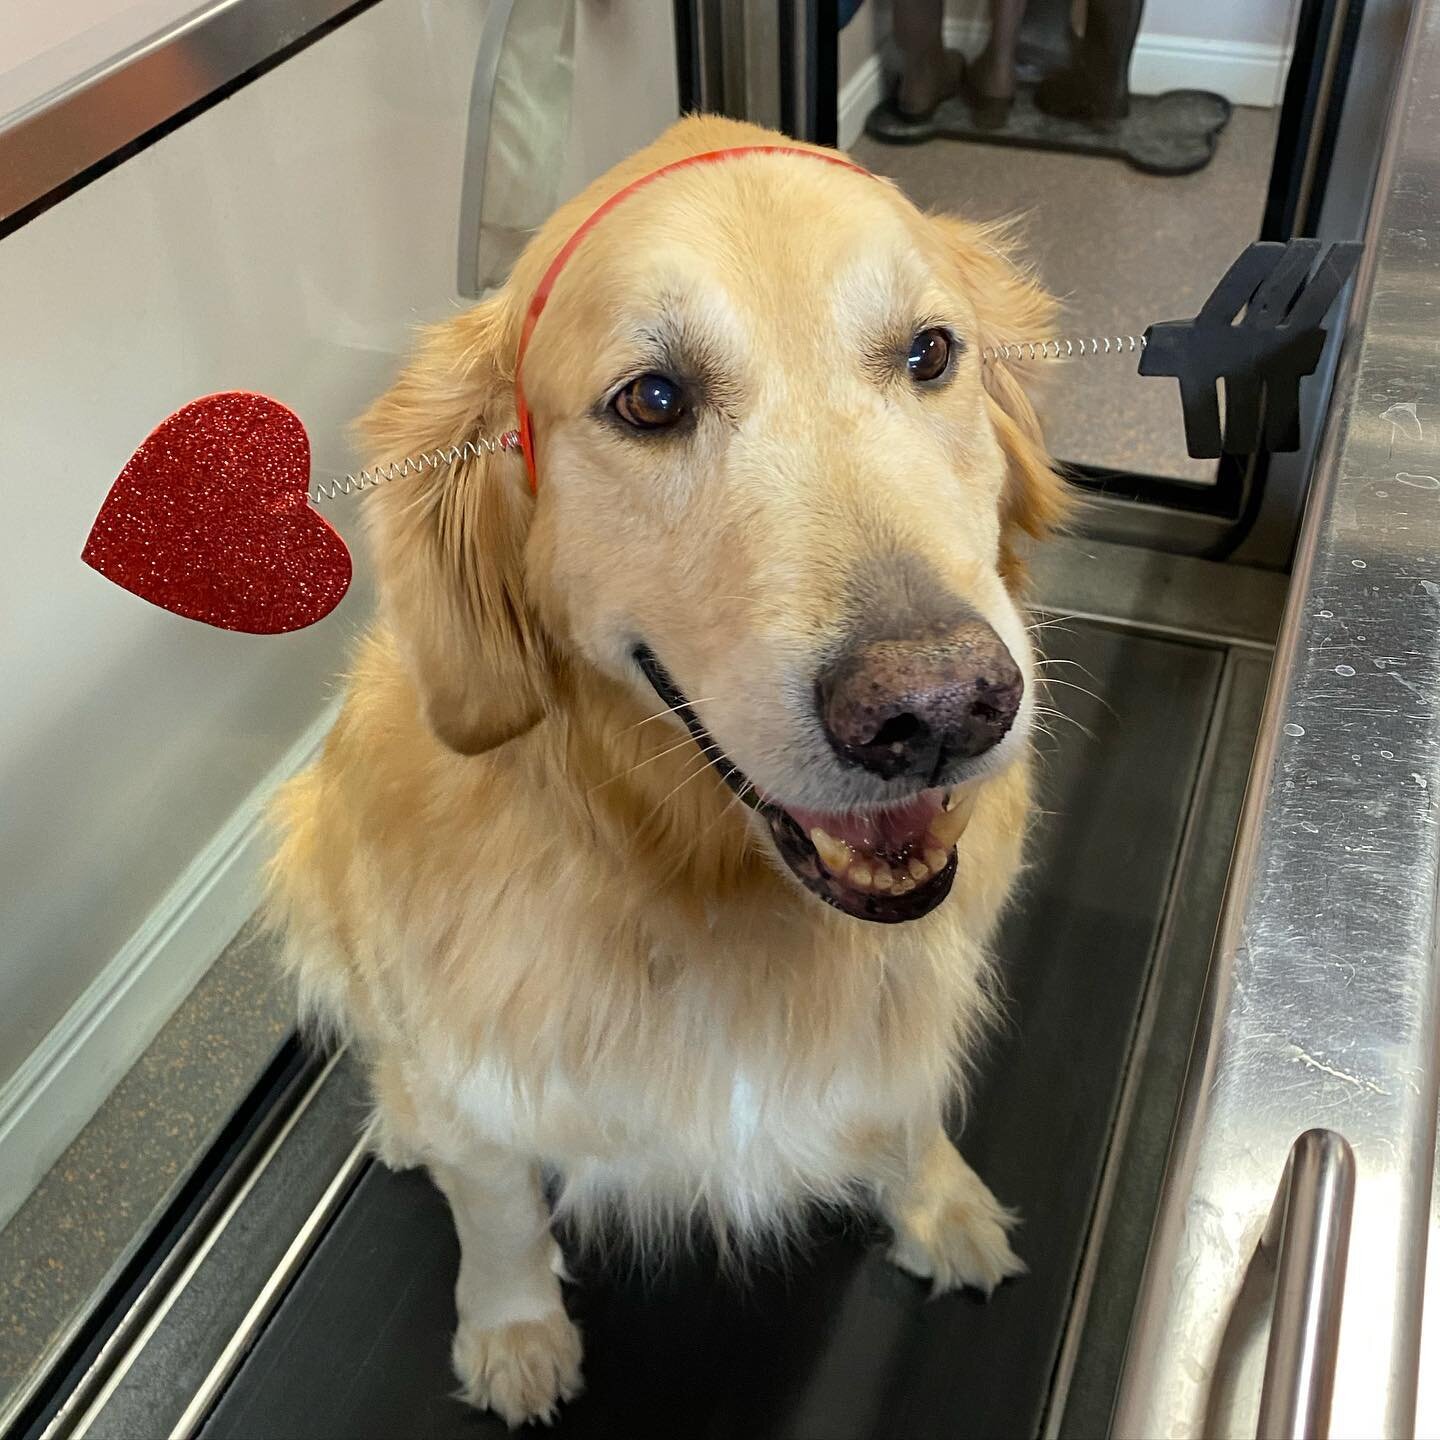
1010	305
449	543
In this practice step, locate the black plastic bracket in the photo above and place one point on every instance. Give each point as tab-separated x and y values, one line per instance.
1260	333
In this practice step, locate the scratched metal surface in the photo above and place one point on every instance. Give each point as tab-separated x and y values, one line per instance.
1322	1007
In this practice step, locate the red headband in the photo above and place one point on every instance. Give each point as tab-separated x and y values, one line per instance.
552	273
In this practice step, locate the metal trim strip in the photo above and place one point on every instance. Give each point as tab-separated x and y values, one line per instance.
48	142
273	1290
87	1401
1217	735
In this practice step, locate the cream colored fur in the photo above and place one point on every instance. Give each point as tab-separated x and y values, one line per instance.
520	892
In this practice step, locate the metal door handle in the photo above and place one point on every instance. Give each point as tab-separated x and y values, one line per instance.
1312	1217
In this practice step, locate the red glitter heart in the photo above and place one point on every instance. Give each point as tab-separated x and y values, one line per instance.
210	519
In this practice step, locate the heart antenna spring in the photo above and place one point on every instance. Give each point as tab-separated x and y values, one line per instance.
1063	348
440	459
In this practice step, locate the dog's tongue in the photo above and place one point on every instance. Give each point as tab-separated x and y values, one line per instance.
894	830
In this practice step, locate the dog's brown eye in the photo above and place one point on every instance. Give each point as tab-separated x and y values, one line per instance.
650	403
929	356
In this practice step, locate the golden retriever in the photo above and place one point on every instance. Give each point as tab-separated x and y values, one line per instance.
671	808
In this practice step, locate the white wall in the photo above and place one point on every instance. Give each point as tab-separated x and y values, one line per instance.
1255	22
1231	22
862	38
286	241
1238	48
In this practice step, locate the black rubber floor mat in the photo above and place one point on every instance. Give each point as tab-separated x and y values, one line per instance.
840	1346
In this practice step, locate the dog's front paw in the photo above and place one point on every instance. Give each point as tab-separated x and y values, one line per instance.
521	1371
956	1233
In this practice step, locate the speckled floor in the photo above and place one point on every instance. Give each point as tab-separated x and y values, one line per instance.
85	1214
1122	250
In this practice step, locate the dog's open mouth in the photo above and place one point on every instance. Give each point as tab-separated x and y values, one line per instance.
887	864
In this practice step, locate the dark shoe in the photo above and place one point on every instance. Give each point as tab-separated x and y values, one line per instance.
990	112
919	96
1080	94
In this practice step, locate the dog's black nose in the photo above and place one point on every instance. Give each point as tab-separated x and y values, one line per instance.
913	706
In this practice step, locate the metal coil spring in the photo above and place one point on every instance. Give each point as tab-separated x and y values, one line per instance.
493	445
414	465
1064	349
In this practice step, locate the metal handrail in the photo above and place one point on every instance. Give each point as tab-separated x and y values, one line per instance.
1312	1217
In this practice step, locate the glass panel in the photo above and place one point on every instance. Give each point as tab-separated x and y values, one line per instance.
522	162
380	174
288	241
1065	117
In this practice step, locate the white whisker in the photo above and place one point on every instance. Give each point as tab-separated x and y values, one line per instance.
640	764
668	710
1048	681
665	800
1046	710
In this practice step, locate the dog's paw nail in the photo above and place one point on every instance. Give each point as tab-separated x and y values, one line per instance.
522	1371
962	1244
911	1257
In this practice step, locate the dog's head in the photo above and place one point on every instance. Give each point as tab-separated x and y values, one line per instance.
776	487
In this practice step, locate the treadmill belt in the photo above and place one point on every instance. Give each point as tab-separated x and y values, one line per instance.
837	1344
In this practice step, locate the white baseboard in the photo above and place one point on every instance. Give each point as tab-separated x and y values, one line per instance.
48	1101
859	95
1244	73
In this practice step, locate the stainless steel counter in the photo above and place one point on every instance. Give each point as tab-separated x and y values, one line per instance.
1323	1005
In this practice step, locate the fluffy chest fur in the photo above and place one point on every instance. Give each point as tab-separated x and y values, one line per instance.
666	1043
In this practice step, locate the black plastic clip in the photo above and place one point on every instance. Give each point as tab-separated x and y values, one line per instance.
1261	356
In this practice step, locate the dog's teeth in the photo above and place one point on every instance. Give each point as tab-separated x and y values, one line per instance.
948	826
873	874
835	853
